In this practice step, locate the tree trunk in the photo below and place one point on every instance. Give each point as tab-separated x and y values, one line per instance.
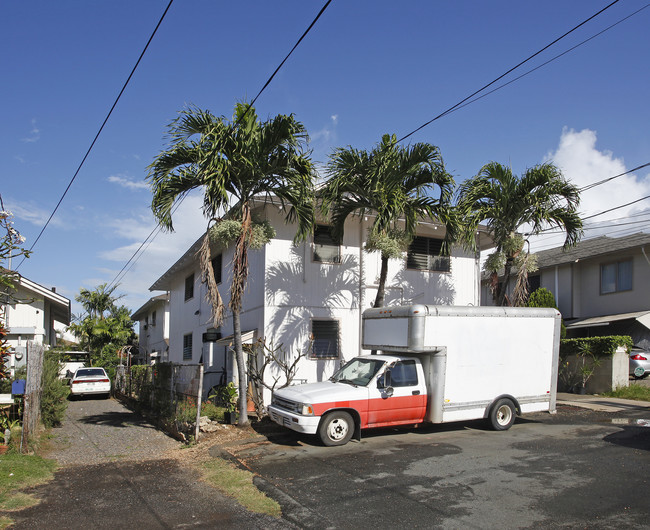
381	289
503	289
241	369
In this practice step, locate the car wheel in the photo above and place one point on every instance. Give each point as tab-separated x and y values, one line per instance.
502	415
336	428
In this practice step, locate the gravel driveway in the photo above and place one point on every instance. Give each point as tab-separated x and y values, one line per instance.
96	431
117	471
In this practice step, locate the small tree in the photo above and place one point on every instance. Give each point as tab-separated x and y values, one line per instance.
55	392
260	356
105	328
542	297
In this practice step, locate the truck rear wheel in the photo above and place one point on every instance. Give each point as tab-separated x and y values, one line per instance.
336	428
502	415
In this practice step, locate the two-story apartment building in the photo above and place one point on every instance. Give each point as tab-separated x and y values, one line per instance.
153	337
309	297
601	286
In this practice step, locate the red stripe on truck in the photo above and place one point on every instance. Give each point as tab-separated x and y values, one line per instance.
381	411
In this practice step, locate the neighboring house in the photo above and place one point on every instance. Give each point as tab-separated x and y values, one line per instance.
153	339
313	293
601	286
32	313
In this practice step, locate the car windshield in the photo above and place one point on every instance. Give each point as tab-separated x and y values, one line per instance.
358	371
90	372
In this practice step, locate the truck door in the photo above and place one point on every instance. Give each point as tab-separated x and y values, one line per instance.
408	401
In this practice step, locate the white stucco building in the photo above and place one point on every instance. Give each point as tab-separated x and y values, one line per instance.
31	313
153	338
317	289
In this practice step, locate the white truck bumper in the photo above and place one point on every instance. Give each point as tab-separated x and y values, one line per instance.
295	422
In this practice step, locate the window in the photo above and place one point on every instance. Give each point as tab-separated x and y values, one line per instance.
404	373
326	339
216	267
615	277
424	255
326	249
187	347
189	287
153	318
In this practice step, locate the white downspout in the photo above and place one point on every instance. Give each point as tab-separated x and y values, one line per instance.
361	281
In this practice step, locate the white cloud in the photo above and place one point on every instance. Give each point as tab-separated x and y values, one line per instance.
29	212
157	255
34	134
583	164
127	183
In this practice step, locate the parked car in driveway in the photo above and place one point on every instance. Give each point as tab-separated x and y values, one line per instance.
87	381
639	363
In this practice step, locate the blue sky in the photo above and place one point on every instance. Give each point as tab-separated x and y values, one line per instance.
367	68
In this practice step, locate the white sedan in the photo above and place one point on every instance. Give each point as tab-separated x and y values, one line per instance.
90	381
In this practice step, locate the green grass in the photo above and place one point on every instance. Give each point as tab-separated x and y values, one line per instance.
637	392
238	484
18	472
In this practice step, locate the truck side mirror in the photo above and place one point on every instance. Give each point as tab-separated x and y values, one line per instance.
384	382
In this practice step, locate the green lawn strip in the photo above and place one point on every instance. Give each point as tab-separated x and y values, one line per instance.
636	392
18	472
238	484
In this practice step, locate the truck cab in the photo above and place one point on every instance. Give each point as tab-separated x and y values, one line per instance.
368	391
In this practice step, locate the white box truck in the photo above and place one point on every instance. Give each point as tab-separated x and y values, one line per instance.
437	364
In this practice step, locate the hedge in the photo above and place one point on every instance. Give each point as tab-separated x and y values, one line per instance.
598	346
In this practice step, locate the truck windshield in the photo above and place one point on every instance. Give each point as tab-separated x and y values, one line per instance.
358	371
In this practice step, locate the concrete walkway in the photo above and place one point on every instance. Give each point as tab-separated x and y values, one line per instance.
601	404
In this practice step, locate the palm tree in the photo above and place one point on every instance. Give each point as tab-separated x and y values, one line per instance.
233	162
393	183
541	197
98	301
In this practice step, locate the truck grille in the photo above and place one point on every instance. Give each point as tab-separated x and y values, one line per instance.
286	404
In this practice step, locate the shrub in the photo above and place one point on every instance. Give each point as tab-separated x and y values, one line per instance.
55	392
599	346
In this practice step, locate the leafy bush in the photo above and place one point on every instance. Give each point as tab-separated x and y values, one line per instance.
55	392
599	346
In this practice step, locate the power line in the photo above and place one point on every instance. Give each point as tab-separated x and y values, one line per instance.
616	208
157	229
506	73
541	65
99	131
589	186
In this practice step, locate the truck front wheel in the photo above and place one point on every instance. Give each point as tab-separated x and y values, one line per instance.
502	415
336	428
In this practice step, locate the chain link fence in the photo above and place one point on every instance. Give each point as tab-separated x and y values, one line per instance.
167	391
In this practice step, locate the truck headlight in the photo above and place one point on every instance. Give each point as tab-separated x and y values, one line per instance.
307	410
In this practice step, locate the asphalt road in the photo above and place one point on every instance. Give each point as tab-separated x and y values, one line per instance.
575	469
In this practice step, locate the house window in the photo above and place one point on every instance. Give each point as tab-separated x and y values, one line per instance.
189	287
187	347
326	249
616	277
216	268
424	255
325	334
153	318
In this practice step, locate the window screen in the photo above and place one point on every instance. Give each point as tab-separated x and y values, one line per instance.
326	249
187	347
216	267
424	254
189	287
326	339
